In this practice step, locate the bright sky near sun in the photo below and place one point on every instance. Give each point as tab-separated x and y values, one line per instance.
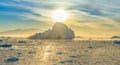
83	16
59	15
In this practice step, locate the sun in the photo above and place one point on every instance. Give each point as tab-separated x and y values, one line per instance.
59	15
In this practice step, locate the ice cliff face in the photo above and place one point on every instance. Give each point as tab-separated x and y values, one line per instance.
59	31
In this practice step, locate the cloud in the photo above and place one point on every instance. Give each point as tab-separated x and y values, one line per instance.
20	32
104	8
84	14
84	20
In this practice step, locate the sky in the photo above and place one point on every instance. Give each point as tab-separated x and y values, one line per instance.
86	17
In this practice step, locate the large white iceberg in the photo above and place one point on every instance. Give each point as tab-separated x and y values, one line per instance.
59	31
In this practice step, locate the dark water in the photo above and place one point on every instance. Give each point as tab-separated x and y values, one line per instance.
116	42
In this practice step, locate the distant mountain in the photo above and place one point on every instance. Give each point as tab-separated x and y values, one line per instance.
115	37
19	32
59	31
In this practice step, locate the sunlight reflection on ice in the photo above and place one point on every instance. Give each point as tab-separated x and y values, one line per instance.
47	51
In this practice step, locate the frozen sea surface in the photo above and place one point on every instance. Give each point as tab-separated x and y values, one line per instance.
60	52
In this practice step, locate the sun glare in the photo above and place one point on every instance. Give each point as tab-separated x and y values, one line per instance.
59	15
